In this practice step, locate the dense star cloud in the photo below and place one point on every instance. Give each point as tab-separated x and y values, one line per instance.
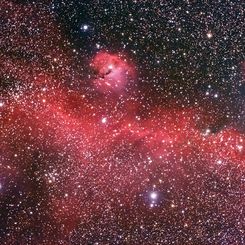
122	122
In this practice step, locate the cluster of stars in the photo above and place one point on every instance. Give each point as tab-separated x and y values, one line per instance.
153	198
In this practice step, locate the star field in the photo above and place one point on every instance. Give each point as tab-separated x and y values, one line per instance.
122	122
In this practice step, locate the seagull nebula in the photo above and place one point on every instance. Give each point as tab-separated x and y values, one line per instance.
122	122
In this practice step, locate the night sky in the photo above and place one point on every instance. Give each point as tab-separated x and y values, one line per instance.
122	122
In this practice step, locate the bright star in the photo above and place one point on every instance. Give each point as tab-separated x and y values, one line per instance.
153	195
209	35
84	27
104	120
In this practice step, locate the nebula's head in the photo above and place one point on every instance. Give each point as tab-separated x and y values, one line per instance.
113	73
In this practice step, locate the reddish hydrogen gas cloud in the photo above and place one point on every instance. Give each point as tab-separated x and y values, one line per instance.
77	165
113	72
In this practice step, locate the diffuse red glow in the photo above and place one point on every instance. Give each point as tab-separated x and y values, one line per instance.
113	73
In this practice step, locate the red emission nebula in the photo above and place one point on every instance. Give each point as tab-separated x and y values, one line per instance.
114	73
85	159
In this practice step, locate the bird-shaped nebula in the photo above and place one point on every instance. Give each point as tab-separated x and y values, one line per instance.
122	123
